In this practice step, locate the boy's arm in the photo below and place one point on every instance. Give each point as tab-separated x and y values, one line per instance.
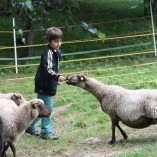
48	65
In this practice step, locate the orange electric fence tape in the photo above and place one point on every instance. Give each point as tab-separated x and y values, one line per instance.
128	74
127	84
87	59
83	41
121	67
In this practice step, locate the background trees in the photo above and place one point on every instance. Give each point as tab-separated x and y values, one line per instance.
36	14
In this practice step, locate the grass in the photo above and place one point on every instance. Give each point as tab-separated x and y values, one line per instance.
84	128
82	125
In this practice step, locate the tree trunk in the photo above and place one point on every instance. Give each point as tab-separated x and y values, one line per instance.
30	42
155	6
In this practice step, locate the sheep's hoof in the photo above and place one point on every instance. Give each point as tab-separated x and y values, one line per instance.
112	141
125	136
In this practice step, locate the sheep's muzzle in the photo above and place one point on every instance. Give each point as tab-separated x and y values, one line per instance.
70	81
43	111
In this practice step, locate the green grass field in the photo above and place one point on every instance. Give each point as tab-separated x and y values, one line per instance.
77	117
84	128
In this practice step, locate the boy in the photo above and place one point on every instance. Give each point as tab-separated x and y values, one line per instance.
46	80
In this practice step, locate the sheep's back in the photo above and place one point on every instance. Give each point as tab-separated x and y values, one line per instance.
5	96
137	103
7	107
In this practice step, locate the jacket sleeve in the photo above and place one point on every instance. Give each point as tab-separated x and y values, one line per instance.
48	65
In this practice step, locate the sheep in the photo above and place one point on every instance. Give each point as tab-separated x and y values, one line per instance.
15	119
134	108
16	97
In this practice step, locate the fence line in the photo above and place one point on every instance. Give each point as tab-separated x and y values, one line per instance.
97	70
88	59
83	41
153	31
82	52
120	75
126	84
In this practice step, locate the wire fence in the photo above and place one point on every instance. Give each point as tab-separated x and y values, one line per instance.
143	34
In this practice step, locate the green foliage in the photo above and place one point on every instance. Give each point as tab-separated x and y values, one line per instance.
94	31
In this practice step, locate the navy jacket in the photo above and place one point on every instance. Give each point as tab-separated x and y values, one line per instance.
46	79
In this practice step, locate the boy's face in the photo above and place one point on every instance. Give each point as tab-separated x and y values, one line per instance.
55	44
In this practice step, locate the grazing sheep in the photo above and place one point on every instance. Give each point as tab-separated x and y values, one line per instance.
16	119
16	97
134	108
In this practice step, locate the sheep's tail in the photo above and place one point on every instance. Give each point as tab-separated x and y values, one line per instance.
1	136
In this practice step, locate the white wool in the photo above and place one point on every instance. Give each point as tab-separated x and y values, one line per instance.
17	118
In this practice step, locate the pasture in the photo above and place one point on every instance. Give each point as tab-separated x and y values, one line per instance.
84	128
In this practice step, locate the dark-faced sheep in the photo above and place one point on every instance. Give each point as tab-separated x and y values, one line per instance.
134	108
15	119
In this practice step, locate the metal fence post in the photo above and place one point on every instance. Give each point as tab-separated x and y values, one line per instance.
15	49
154	40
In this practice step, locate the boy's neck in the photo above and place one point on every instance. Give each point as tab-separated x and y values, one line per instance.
52	48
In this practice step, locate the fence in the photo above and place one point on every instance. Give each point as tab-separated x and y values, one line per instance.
141	34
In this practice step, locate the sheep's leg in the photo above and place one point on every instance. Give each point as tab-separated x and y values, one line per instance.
12	148
115	123
4	150
122	131
113	140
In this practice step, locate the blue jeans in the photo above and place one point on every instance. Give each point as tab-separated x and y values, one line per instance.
46	126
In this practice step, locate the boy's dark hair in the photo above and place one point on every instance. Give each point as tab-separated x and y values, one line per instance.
53	33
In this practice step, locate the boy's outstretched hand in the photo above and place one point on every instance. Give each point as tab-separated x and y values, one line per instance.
61	79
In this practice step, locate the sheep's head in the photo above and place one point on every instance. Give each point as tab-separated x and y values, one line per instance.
77	80
40	106
17	98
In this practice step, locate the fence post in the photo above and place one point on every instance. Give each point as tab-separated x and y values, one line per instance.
154	40
15	50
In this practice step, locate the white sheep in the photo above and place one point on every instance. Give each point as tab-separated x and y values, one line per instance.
134	108
15	119
16	97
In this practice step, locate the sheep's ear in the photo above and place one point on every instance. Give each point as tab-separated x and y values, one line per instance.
13	97
16	96
35	105
86	74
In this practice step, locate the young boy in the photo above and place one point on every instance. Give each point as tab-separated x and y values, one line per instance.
46	80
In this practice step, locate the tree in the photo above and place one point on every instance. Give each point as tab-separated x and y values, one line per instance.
34	11
146	4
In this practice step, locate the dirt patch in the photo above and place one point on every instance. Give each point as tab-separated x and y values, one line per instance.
99	147
59	109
